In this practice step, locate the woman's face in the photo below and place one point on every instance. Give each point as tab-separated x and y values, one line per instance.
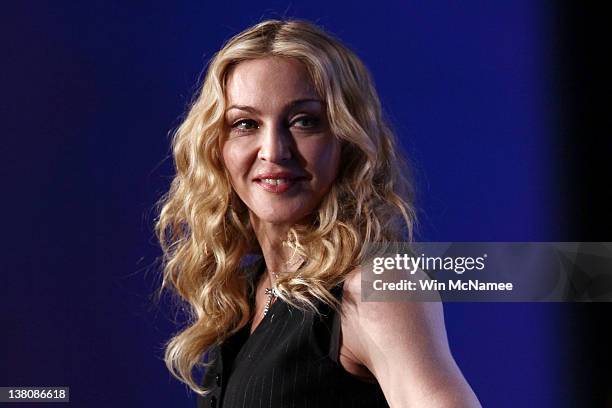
278	149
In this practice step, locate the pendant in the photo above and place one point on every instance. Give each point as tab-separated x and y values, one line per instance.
270	293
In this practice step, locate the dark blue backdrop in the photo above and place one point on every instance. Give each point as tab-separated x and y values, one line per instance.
91	91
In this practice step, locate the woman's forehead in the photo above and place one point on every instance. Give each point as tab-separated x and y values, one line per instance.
268	81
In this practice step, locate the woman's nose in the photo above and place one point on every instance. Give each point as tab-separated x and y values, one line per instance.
275	144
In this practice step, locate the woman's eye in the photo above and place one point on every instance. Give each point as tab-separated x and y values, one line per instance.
245	125
307	122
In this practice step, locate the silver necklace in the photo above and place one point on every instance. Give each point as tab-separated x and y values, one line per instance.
271	293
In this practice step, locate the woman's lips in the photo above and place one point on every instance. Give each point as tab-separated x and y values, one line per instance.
277	185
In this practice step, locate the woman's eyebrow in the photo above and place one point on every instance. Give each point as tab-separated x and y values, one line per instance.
289	106
303	101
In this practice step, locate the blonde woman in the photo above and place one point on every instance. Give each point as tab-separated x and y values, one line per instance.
284	169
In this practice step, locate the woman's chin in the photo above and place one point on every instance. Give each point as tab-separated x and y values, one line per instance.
279	217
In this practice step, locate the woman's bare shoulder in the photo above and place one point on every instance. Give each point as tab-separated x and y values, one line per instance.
392	321
405	346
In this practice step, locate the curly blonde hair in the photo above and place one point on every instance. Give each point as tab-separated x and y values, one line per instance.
204	228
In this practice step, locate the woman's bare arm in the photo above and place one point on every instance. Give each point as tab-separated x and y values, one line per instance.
404	344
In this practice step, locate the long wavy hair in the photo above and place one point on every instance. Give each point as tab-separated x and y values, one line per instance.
204	228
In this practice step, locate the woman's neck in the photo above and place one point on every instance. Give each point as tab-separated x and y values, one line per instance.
277	255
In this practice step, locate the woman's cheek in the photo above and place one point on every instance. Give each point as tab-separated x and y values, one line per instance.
235	156
328	157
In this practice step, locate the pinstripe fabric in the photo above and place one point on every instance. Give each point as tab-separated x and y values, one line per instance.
290	361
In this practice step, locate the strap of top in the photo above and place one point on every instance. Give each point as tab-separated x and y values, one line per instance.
336	326
253	272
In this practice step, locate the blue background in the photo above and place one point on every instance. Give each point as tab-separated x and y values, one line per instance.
92	91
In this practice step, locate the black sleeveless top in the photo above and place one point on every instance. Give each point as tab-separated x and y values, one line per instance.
291	360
